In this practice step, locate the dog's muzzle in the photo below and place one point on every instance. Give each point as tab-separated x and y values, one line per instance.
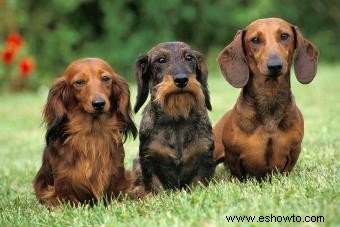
181	80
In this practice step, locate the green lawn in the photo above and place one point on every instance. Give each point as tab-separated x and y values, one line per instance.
312	188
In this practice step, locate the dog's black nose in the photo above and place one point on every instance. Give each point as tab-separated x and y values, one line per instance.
98	104
274	65
181	80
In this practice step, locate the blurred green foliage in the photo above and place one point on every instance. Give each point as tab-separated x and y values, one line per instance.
58	32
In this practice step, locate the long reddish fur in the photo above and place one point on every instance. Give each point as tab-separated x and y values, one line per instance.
83	160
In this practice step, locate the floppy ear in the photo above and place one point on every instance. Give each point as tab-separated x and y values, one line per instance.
142	81
202	76
233	63
55	111
121	100
306	58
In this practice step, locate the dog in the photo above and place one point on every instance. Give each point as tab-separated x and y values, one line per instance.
263	132
88	117
176	140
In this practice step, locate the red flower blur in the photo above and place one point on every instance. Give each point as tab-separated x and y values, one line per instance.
8	55
14	40
26	67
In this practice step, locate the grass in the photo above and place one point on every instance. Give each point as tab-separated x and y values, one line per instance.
311	189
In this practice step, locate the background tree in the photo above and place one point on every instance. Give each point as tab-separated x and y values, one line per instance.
58	32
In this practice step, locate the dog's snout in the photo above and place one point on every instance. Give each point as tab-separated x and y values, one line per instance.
274	65
181	80
98	104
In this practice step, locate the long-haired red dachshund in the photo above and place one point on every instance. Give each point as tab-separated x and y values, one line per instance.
88	116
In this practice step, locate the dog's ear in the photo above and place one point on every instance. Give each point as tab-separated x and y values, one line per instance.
306	58
142	78
202	76
120	99
55	112
233	63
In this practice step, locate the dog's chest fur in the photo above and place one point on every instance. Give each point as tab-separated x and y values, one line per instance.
176	148
89	155
267	129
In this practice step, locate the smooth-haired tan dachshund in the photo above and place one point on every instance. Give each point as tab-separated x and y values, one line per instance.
88	116
263	132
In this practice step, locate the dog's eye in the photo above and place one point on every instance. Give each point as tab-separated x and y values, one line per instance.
161	60
80	83
284	37
256	40
105	78
189	57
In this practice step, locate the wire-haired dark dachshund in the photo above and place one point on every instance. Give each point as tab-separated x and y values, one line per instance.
176	140
264	130
88	116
